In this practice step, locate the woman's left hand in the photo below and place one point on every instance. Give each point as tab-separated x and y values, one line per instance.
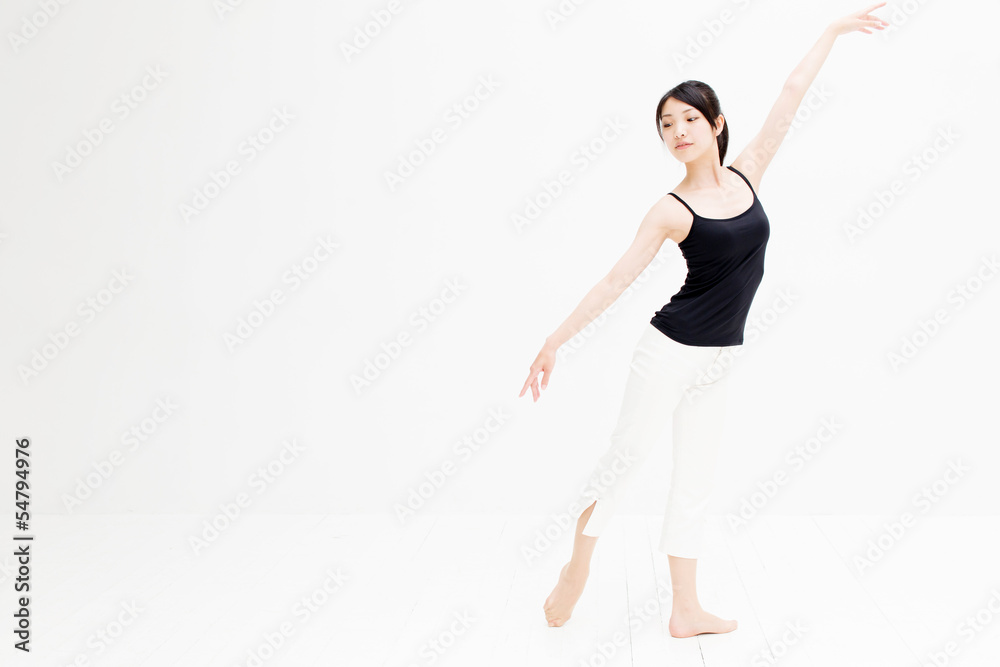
861	21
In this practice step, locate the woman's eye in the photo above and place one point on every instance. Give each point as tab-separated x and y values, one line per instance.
666	125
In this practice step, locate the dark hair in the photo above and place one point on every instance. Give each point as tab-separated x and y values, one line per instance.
703	98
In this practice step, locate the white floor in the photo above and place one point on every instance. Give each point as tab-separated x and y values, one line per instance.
464	590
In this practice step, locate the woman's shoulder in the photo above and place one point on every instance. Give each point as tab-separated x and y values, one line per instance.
672	216
672	207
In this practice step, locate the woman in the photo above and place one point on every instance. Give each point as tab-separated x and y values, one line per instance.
720	226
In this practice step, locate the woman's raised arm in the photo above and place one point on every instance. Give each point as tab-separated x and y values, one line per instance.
757	155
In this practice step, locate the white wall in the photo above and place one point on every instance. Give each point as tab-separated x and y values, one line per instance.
880	100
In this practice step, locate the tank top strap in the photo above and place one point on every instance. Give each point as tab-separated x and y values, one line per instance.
685	204
744	179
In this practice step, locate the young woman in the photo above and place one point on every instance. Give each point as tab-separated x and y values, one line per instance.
720	226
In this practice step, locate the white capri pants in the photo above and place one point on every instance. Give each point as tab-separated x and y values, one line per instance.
689	382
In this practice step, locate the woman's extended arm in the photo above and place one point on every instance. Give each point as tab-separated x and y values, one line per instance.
757	155
644	247
655	228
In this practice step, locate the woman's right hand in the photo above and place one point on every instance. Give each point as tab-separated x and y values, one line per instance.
543	363
862	21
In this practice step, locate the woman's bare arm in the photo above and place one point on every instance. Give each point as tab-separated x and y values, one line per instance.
757	155
656	227
660	223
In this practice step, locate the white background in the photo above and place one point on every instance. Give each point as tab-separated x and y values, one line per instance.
880	100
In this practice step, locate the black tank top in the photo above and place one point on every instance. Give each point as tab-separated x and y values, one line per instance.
725	264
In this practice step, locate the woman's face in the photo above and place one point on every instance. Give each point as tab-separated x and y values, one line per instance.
686	131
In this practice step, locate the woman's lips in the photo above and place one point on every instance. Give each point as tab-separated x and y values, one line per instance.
682	146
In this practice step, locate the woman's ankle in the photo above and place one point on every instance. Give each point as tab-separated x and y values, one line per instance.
686	606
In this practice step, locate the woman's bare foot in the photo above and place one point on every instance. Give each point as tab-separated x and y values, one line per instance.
697	622
559	605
